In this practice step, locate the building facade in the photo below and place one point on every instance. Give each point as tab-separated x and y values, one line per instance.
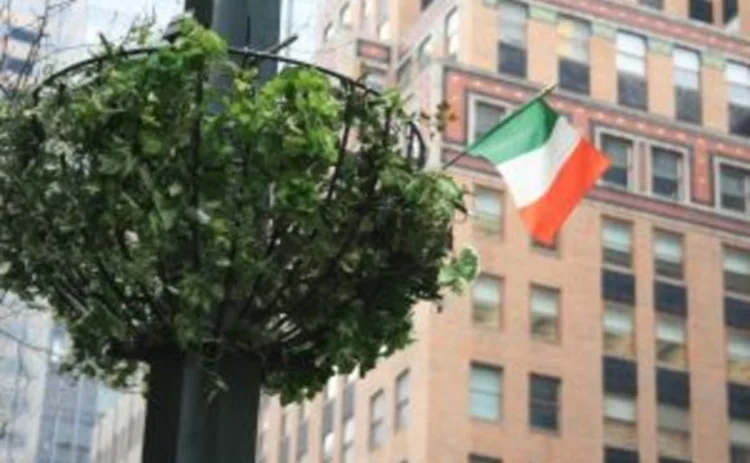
69	410
629	339
23	370
118	436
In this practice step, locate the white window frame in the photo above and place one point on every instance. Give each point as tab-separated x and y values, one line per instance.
686	171
721	161
634	164
471	119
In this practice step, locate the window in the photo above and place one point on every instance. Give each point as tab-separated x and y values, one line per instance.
544	406
512	48
730	10
737	271
655	4
619	333
487	301
347	451
667	174
573	49
617	241
23	34
488	209
18	66
486	117
426	4
384	28
377	420
701	10
617	455
671	349
485	394
738	80
734	185
620	409
674	430
739	432
545	313
424	52
668	254
345	15
620	152
452	39
483	459
739	356
327	33
402	400
687	64
631	71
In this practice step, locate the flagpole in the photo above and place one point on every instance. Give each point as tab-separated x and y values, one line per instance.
541	94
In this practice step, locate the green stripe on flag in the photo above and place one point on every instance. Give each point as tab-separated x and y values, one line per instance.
521	132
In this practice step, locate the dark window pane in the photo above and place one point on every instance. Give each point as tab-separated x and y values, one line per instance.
574	76
486	117
618	150
673	387
349	395
672	460
544	407
730	10
618	287
739	401
739	455
613	455
18	66
632	91
737	313
657	4
733	187
739	120
483	459
620	376
512	59
688	105
670	298
544	417
665	166
328	409
23	35
702	10
302	432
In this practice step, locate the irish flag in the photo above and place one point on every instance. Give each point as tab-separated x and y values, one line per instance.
547	166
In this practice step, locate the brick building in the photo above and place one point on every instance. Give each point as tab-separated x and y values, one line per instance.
629	340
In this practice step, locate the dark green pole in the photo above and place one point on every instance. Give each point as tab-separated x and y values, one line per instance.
181	425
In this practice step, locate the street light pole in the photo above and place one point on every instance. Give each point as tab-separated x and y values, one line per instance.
181	426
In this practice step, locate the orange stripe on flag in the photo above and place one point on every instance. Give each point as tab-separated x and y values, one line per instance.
582	169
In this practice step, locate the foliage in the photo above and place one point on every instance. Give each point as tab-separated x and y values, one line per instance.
168	200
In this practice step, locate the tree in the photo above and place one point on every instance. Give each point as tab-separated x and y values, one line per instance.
161	211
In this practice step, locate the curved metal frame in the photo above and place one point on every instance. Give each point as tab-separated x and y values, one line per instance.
254	57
